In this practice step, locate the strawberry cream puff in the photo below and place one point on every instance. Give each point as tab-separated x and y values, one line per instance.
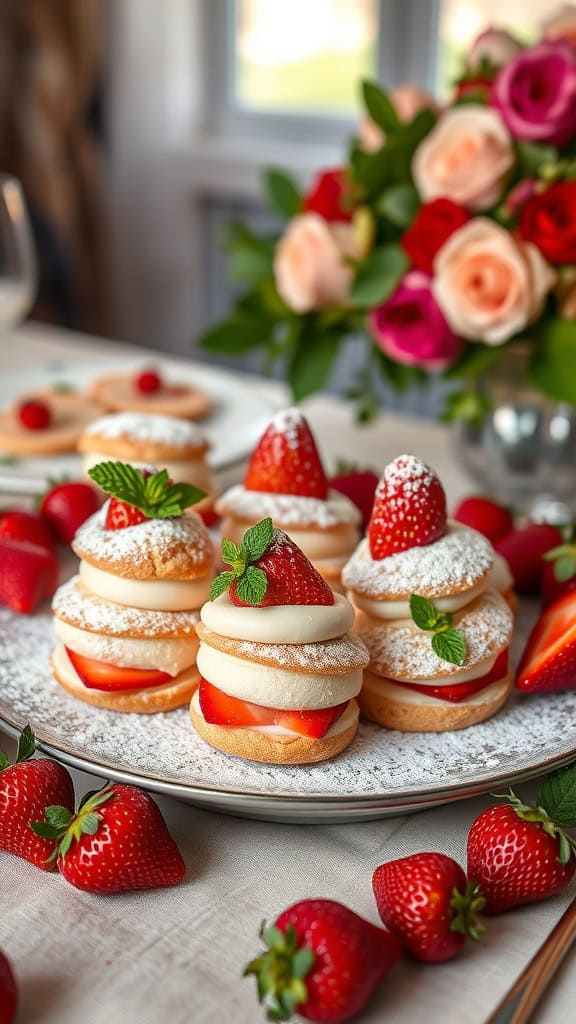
279	668
438	633
126	623
147	391
285	481
140	438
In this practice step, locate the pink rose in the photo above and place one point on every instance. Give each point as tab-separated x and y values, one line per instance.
489	285
464	158
310	262
408	101
411	328
561	25
494	45
536	93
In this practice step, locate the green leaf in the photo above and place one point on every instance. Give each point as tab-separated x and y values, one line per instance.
45	830
399	204
467	405
532	156
282	193
180	496
251	256
450	646
220	584
152	495
230	551
378	276
90	824
257	538
380	107
553	366
564	568
252	586
26	744
4	761
8	460
302	962
423	612
155	487
59	816
237	335
120	480
311	364
557	795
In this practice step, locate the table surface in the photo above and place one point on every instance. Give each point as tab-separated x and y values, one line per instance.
177	954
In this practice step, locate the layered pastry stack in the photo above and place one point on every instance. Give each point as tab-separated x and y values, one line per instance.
437	632
279	668
126	623
140	438
285	480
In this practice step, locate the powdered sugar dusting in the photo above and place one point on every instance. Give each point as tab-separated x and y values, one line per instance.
379	764
289	510
338	656
450	565
168	430
132	545
288	422
74	604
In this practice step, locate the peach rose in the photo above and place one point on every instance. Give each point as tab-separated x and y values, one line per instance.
408	101
310	262
561	25
464	158
488	284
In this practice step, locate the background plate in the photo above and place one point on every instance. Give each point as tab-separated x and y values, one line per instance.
382	773
233	427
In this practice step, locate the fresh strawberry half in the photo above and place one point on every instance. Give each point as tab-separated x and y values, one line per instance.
457	692
34	414
120	515
322	961
148	382
29	574
486	516
26	787
524	548
219	708
522	853
549	659
360	486
558	573
117	841
16	524
67	505
140	494
409	508
101	675
8	992
269	569
286	460
427	902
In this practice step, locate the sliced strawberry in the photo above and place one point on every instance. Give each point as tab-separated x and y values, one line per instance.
286	460
292	579
457	692
409	508
120	515
360	486
486	516
16	524
524	549
29	573
220	709
101	675
549	660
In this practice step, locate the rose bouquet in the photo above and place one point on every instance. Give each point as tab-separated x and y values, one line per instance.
448	236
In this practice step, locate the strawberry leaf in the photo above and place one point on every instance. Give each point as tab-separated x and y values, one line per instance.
58	816
45	830
423	612
26	745
450	646
257	539
564	568
557	795
90	823
220	584
252	586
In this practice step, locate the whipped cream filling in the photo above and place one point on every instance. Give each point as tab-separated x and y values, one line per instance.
284	624
405	696
155	595
171	655
191	471
500	576
346	720
68	673
274	687
292	509
388	609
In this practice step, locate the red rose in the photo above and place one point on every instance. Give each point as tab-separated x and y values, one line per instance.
549	221
330	196
434	223
479	86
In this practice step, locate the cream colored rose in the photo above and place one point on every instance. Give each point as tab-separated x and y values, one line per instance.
464	158
562	24
408	101
489	285
310	264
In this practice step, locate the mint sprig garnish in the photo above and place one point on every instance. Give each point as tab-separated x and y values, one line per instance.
154	495
447	643
564	558
251	582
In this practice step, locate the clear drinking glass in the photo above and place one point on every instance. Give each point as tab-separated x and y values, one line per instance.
18	269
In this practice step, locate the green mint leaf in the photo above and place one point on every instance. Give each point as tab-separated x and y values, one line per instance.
252	586
230	552
58	816
220	584
443	622
26	744
257	539
557	795
156	487
564	568
182	495
121	481
423	612
450	646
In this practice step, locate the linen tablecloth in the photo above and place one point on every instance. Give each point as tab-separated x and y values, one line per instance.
177	954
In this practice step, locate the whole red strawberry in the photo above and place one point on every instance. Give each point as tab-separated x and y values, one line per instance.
322	962
148	382
34	414
286	460
360	486
17	524
426	901
29	574
118	841
522	853
486	516
524	549
269	569
409	508
558	573
26	788
67	505
8	992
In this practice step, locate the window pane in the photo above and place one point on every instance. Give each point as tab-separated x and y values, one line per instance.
461	21
304	56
